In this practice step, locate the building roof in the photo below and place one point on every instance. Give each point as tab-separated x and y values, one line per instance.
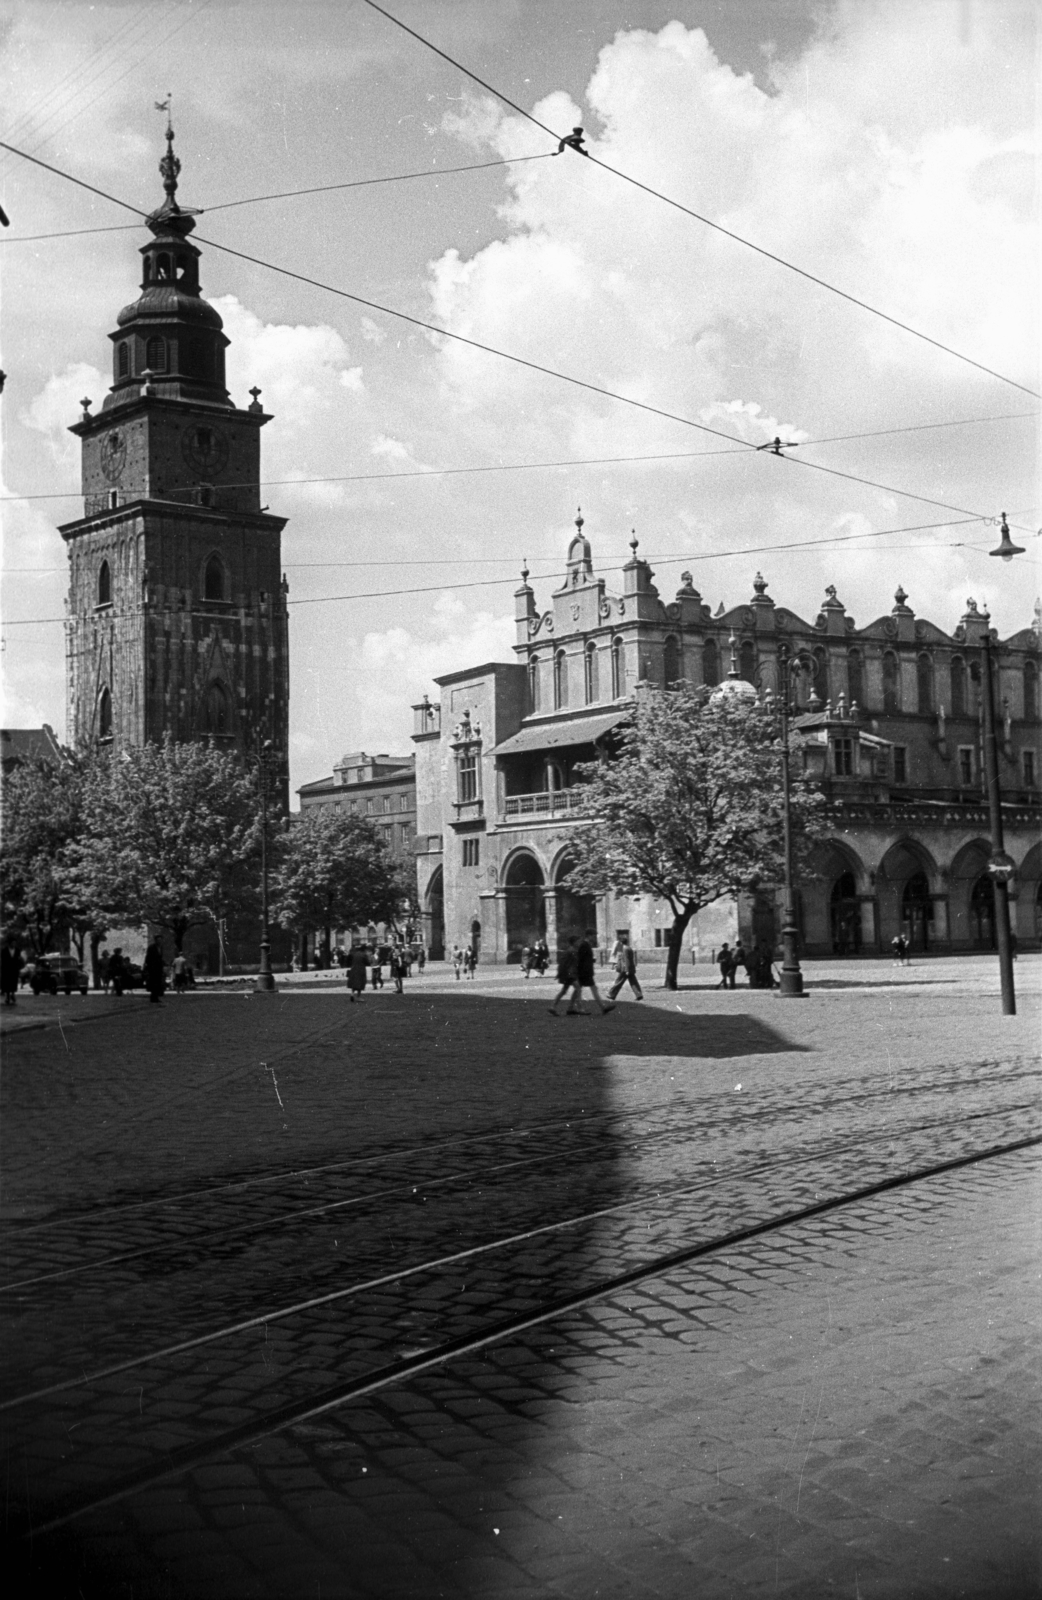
557	735
29	744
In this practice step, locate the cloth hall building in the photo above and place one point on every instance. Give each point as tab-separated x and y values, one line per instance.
890	727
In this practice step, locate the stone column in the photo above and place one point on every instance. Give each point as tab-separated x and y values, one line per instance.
941	932
869	922
550	902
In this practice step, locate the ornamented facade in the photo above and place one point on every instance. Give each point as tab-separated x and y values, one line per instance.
176	616
890	728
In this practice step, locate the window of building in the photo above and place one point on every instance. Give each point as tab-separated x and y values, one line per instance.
467	769
747	661
155	354
216	709
590	673
554	776
821	675
560	679
370	807
533	683
924	683
843	753
670	661
1027	759
163	266
900	763
471	852
113	499
123	358
966	765
1030	690
213	579
891	682
403	802
618	670
105	715
856	678
958	680
387	802
659	941
104	584
710	662
404	832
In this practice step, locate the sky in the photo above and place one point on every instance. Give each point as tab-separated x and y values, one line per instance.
887	146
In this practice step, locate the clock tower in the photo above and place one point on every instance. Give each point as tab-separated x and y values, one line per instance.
176	616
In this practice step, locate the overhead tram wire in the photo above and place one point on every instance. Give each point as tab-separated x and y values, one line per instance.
291	194
718	227
492	583
522	361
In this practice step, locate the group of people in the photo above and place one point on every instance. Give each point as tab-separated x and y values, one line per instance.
535	958
366	961
757	962
465	961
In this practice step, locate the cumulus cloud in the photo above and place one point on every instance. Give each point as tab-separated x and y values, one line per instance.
57	405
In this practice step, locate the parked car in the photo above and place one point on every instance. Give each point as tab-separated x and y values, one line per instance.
53	972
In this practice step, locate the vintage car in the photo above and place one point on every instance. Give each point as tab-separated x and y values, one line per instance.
53	972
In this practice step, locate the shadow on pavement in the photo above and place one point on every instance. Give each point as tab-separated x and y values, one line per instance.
446	1121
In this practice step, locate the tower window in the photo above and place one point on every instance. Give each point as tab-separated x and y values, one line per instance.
155	355
123	358
618	670
216	709
213	579
163	266
710	663
105	715
560	679
590	668
924	682
671	661
533	683
855	678
958	687
891	683
1030	691
105	585
747	661
843	753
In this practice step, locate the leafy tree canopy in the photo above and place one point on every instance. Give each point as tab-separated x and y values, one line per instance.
334	871
691	807
43	818
167	830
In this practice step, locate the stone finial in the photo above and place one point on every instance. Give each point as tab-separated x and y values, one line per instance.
580	519
634	542
524	570
760	584
971	607
256	393
900	599
86	403
719	610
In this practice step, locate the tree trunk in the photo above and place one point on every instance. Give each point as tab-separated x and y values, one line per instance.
179	928
676	941
95	964
327	940
303	952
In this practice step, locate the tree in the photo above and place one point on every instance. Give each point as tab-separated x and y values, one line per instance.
43	820
691	807
168	831
334	872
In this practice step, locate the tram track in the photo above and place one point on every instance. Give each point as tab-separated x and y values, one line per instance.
576	1124
181	1460
662	1194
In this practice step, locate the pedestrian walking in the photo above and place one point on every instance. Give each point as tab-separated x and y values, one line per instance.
586	976
624	959
526	962
179	973
568	978
155	973
356	973
11	964
105	972
398	968
117	971
457	960
738	959
377	969
421	959
723	961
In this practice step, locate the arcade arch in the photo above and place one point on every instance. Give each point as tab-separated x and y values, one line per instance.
906	889
523	885
576	913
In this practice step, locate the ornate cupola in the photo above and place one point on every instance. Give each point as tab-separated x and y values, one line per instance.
169	342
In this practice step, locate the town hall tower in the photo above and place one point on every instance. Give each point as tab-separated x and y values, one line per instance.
176	616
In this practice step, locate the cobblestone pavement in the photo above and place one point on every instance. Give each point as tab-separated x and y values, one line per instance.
218	1210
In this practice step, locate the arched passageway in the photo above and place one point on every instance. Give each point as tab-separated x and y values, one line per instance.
435	916
845	916
576	913
982	913
526	911
917	912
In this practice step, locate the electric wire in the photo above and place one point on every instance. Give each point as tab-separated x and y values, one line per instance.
522	361
707	221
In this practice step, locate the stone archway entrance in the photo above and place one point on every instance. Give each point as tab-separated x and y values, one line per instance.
982	913
526	910
917	912
435	916
576	913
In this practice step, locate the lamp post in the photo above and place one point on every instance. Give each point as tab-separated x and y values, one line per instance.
790	986
1000	866
265	982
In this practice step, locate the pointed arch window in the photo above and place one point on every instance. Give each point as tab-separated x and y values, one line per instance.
155	354
217	720
891	682
747	661
123	359
213	579
590	673
958	687
560	680
924	682
710	663
670	661
618	670
104	584
821	675
163	266
105	715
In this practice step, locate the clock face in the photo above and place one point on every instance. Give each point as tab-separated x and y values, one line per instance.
205	449
113	455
